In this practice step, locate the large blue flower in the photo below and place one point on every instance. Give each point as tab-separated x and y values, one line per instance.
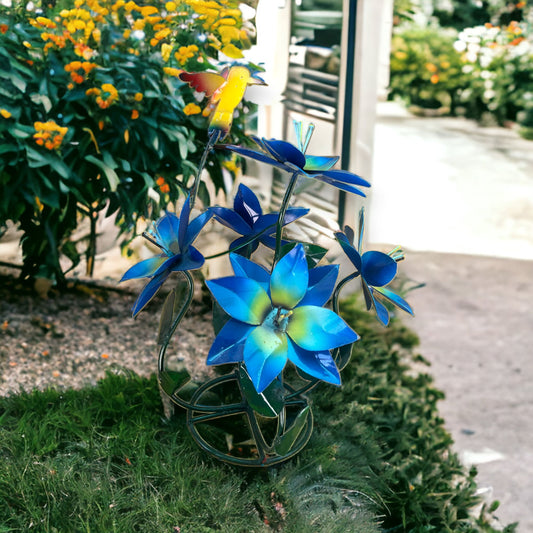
174	237
278	317
247	219
284	155
377	269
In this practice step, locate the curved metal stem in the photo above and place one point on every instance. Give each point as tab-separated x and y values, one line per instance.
342	283
214	136
282	211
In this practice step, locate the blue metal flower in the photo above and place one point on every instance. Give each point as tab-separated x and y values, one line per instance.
247	219
174	237
284	155
278	317
377	269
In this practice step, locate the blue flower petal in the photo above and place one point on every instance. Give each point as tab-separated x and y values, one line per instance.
245	268
381	311
398	301
322	281
317	364
266	224
247	204
317	328
196	226
258	156
228	345
340	185
349	250
345	177
285	152
166	230
378	268
319	162
144	269
232	220
148	292
184	223
289	279
265	356
242	298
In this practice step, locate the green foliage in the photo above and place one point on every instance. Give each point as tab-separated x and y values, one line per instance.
425	67
481	72
103	459
93	119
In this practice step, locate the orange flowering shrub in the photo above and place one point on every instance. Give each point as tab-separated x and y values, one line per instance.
94	117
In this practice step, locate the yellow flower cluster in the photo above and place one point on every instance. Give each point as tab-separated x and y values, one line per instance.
79	70
223	21
105	97
192	109
185	53
49	134
5	113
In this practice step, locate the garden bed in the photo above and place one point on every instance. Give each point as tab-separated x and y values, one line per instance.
100	456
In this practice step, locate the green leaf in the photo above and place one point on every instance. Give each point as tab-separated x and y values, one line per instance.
285	442
313	252
342	355
110	174
268	403
43	100
174	305
172	380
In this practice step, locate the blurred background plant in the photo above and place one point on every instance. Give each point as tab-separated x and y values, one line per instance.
94	120
471	58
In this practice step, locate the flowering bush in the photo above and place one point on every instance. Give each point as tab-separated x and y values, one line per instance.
499	64
479	71
93	116
426	69
278	314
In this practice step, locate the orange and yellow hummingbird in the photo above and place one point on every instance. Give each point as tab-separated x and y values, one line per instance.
225	91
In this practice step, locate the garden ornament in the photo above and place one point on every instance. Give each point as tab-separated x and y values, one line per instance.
278	327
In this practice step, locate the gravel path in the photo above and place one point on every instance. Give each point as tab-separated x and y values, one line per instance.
70	340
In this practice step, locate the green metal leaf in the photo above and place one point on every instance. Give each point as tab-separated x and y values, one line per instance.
342	355
268	403
313	252
285	442
173	305
172	380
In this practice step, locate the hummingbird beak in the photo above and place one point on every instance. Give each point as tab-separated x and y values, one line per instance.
256	80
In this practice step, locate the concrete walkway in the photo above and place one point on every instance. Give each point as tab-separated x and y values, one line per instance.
459	198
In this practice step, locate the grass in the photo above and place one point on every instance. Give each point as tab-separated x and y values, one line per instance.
104	459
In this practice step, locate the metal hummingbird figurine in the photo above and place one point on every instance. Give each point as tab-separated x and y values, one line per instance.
225	92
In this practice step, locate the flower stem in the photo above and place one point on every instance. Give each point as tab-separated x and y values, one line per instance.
338	288
282	211
214	136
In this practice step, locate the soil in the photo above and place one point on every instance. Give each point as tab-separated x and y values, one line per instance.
71	339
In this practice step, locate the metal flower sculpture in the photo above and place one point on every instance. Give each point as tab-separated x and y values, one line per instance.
286	156
174	237
376	269
247	219
277	318
263	318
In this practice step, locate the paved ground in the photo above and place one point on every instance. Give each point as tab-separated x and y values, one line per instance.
460	198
